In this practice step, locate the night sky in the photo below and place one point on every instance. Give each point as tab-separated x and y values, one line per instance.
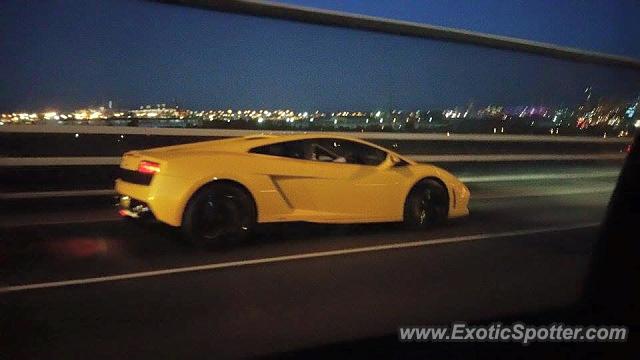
609	26
67	54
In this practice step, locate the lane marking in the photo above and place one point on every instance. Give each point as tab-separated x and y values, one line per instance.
286	258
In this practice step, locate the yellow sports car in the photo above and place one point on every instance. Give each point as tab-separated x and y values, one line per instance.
218	190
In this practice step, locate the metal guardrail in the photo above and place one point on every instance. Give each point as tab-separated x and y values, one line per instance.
45	162
56	194
127	130
111	160
115	160
405	28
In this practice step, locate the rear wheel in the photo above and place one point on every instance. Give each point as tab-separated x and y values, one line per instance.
219	215
426	205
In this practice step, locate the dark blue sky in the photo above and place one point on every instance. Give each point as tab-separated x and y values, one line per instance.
609	26
64	54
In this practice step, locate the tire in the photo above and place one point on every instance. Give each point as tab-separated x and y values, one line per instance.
426	205
219	215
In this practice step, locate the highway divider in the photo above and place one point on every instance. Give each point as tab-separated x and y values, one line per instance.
60	160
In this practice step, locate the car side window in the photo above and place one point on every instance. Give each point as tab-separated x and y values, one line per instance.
325	150
317	151
354	152
290	149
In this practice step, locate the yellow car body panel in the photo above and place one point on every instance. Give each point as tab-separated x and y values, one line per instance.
285	189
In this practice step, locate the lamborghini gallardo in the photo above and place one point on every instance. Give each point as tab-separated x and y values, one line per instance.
219	190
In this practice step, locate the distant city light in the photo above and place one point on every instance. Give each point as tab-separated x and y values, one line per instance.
51	115
613	116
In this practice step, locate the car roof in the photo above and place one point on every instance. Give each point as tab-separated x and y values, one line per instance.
245	143
251	141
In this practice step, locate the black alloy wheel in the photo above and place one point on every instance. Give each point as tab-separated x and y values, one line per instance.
426	205
219	215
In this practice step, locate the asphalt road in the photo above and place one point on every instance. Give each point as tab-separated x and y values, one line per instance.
85	284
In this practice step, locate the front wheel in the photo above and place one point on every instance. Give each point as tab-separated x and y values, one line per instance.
219	215
426	205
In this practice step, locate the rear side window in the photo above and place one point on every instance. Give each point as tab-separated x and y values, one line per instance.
325	150
355	152
289	149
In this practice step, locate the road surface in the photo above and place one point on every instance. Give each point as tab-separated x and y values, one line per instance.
81	282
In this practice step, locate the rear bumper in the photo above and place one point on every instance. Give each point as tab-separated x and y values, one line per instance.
128	207
164	197
132	200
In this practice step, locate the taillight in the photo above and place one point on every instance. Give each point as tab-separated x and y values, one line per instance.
627	149
148	167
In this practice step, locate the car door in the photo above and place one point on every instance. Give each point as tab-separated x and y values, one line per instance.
286	166
317	182
366	189
333	179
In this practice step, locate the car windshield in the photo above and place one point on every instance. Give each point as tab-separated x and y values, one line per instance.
233	179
